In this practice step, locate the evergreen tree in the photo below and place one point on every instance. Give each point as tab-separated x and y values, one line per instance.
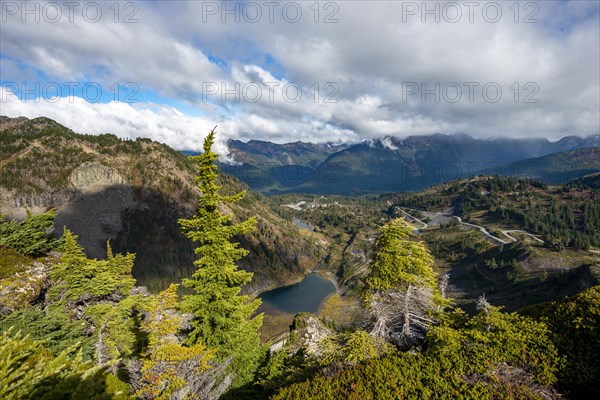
574	323
222	317
53	326
98	291
78	276
401	289
29	371
169	369
398	261
30	236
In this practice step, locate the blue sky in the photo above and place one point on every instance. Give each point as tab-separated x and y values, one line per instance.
334	71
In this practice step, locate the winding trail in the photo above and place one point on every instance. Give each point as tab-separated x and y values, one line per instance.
413	218
531	235
482	229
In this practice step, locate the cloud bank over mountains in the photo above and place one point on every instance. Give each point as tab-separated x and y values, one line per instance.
319	72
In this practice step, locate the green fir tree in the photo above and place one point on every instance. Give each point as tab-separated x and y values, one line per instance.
222	317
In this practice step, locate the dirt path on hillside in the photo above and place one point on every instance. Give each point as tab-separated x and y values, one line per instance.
484	231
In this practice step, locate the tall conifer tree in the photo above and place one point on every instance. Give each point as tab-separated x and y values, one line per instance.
222	317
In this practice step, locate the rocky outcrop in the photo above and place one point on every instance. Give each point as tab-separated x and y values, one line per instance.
306	332
24	288
90	206
88	178
94	177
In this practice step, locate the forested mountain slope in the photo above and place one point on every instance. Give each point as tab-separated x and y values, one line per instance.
540	242
556	168
518	241
73	327
133	192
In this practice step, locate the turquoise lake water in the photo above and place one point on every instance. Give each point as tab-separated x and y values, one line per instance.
305	296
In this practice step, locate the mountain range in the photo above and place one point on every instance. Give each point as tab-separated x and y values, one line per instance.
390	164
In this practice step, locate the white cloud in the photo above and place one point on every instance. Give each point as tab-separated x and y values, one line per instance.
368	57
164	124
387	143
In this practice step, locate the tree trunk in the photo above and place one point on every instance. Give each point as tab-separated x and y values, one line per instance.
406	326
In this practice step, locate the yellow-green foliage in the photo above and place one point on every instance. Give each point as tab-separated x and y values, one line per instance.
104	285
491	337
117	326
52	326
12	262
160	323
116	388
399	261
402	376
168	365
360	346
29	371
575	325
76	275
351	347
492	355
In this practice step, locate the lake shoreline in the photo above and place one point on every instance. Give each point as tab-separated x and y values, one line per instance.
304	296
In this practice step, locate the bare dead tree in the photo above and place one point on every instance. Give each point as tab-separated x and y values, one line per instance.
100	347
402	317
200	384
209	385
482	304
444	284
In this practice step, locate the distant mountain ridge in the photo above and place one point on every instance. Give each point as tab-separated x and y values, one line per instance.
296	153
557	167
384	164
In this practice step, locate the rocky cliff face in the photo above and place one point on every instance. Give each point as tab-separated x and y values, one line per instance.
91	205
93	177
132	193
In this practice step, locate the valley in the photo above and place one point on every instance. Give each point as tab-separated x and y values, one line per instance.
137	206
516	242
483	249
